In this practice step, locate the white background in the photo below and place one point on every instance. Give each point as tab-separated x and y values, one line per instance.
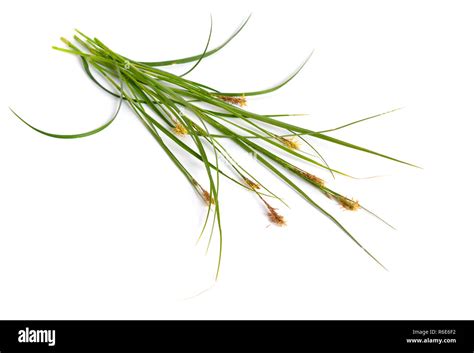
105	227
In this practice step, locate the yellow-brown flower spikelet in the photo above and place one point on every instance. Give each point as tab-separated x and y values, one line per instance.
207	197
179	129
274	216
348	204
253	185
290	143
240	101
312	177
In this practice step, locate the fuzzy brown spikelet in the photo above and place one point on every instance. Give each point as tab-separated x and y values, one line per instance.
313	178
274	216
240	101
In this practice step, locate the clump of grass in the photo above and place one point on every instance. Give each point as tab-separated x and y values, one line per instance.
183	114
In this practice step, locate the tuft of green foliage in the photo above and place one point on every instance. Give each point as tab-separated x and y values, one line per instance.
182	114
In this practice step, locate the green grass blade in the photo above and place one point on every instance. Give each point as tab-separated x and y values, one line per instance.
197	57
358	121
203	54
80	135
326	137
70	136
271	89
314	204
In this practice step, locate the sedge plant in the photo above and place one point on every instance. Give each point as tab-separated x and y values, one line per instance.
183	114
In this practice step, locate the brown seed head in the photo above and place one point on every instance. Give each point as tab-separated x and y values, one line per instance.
311	177
274	216
348	204
207	197
241	101
253	185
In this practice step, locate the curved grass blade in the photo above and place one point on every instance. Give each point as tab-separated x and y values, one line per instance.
196	57
319	154
71	136
80	135
271	89
203	54
214	193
